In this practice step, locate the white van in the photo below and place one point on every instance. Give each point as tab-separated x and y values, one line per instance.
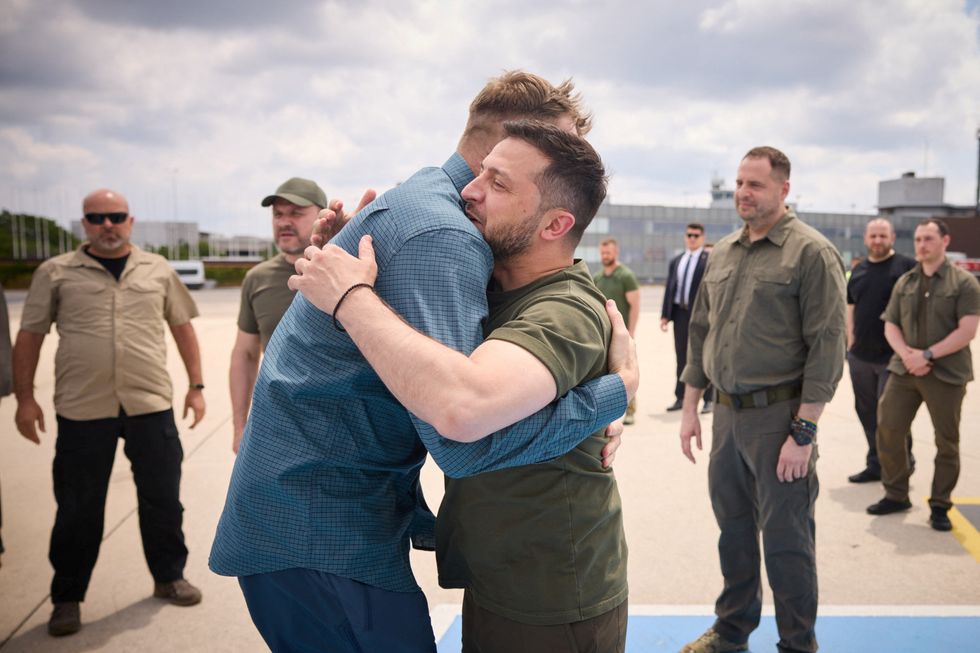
190	272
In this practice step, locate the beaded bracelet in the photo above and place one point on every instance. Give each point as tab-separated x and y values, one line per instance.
803	430
340	301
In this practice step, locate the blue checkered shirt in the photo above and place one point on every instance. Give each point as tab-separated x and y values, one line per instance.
327	476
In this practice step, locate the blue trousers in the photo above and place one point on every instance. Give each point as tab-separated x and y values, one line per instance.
307	611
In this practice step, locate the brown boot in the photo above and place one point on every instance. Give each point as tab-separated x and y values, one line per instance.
66	619
178	592
712	642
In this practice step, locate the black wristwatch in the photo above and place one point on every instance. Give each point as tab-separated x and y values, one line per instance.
197	386
803	431
928	355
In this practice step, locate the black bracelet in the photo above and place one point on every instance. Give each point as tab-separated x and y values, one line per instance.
340	301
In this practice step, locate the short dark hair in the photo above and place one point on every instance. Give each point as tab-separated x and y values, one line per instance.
609	241
777	160
696	225
942	226
574	180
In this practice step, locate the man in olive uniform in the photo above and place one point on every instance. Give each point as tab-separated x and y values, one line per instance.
767	331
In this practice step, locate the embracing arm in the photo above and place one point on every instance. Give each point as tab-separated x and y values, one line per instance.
458	291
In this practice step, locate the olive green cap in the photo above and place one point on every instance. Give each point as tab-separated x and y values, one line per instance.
299	191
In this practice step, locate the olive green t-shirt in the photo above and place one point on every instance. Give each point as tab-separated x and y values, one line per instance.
265	297
927	309
542	544
615	286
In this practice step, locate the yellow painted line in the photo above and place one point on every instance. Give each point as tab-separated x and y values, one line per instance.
963	530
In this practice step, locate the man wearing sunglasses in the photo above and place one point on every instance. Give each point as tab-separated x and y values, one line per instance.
110	300
683	279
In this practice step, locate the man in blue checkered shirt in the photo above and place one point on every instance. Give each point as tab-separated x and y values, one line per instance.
325	492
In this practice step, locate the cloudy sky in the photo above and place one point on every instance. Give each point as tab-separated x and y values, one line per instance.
200	108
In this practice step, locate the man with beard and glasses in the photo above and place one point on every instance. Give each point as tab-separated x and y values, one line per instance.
265	295
110	300
325	499
868	289
539	549
767	331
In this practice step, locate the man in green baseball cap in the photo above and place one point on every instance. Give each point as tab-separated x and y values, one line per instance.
265	295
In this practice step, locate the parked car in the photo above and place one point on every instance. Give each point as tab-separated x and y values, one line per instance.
190	272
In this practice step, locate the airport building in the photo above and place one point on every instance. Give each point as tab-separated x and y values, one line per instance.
650	236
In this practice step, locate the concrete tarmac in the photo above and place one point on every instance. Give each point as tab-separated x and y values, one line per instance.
872	563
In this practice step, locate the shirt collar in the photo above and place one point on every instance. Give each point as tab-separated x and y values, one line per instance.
459	171
779	232
695	253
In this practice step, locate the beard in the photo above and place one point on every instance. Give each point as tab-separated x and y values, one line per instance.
513	240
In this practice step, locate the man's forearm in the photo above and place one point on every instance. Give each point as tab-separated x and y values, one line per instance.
26	354
464	398
957	339
189	351
895	338
243	372
811	411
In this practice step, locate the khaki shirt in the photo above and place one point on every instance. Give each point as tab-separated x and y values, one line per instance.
769	313
952	294
112	349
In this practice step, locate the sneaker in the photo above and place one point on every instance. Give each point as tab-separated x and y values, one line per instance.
677	405
886	507
708	407
178	592
712	642
66	619
939	520
629	419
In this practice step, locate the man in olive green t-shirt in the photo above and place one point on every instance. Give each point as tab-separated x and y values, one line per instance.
930	319
265	296
539	546
618	283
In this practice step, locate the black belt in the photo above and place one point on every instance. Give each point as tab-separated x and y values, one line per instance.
761	398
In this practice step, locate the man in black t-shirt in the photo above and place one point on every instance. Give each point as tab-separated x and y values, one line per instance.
868	352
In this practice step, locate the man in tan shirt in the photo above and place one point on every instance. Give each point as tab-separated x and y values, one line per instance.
110	300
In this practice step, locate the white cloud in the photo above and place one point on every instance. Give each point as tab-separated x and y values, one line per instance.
238	96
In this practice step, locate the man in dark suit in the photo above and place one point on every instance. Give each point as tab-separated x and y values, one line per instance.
683	278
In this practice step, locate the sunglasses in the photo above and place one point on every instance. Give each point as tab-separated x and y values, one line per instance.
694	235
99	218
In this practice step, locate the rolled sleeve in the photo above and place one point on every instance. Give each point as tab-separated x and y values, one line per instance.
40	306
823	310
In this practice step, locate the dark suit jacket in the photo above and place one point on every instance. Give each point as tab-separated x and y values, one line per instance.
672	282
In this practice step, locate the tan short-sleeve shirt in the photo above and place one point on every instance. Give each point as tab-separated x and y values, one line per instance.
112	348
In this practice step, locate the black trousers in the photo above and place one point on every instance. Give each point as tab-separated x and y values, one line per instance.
84	453
868	382
681	318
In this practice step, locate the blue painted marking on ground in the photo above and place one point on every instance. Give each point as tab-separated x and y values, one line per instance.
652	634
